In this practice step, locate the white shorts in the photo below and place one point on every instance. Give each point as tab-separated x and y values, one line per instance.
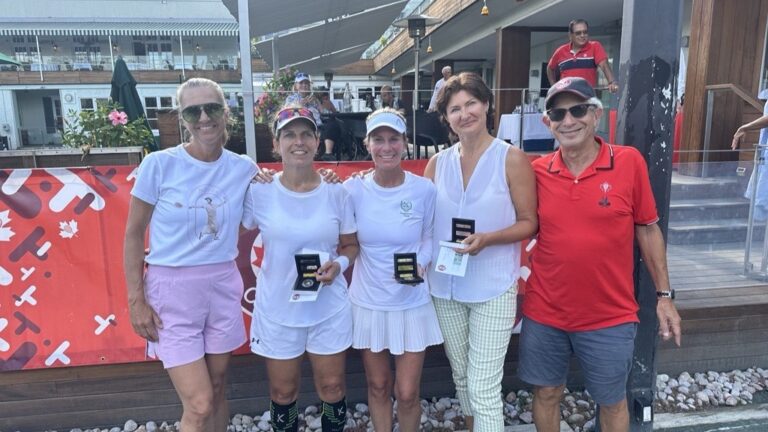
411	330
280	342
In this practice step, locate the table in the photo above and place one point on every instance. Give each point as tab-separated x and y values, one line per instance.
36	67
81	66
533	128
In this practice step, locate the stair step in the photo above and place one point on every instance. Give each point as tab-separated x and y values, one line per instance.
710	232
685	187
708	209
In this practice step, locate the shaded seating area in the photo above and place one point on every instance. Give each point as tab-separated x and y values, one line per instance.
430	131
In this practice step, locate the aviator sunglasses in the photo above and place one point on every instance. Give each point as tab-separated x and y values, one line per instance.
192	113
577	111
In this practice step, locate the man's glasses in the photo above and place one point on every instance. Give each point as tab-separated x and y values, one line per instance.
577	111
192	113
581	33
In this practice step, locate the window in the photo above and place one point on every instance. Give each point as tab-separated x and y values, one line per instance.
153	105
88	104
18	39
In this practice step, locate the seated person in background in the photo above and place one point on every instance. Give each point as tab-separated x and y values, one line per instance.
388	99
331	131
303	95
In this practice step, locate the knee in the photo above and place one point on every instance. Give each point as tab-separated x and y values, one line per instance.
619	408
379	388
548	396
199	408
283	395
331	389
407	396
219	384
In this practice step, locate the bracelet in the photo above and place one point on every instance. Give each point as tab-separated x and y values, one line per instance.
343	262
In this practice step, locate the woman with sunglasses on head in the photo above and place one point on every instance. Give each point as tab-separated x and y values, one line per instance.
485	180
187	305
306	218
394	211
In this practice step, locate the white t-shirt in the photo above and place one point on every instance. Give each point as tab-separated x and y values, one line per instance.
389	221
290	221
198	205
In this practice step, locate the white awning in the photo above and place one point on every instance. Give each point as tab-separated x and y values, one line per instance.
332	37
328	62
270	16
159	28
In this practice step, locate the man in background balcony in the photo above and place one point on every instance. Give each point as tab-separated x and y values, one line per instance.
447	72
580	57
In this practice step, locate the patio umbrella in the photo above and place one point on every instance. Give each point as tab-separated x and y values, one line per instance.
124	93
4	59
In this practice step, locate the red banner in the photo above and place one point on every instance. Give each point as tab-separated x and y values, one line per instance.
62	290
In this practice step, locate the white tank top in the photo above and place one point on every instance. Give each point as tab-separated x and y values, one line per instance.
487	200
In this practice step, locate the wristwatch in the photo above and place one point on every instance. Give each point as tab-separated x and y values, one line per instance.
666	294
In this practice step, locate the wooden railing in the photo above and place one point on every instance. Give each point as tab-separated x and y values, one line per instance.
105	77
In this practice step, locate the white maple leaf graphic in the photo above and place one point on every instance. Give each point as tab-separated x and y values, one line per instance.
68	229
5	231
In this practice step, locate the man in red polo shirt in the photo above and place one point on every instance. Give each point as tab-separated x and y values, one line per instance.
580	57
594	200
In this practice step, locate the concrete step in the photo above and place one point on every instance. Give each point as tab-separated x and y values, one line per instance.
686	187
705	209
711	232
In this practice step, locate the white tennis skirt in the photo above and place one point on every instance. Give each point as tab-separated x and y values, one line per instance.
411	330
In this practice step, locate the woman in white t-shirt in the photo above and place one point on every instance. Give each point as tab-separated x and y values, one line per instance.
394	211
298	213
187	305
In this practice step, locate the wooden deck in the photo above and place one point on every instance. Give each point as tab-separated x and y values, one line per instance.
725	323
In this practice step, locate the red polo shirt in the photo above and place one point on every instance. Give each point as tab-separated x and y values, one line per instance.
582	64
582	263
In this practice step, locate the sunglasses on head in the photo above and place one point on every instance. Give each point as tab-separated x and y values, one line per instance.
192	113
577	111
289	113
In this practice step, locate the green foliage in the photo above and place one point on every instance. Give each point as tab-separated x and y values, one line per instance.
276	90
106	126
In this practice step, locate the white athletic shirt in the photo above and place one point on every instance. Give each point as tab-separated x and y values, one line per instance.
290	221
389	221
487	200
198	205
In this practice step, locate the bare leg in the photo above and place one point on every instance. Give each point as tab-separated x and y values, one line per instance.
284	377
408	368
380	381
546	408
328	373
193	385
217	370
614	417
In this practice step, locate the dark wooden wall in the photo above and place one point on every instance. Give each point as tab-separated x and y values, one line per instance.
726	46
723	329
513	61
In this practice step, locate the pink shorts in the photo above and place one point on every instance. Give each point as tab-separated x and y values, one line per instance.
200	309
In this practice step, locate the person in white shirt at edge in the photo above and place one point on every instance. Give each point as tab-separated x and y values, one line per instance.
301	211
447	73
394	210
187	305
487	180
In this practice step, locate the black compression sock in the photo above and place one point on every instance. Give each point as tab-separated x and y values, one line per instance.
334	416
284	418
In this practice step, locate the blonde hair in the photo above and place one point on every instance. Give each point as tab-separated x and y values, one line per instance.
194	83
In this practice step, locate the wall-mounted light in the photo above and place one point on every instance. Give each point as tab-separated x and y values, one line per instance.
55	47
484	11
429	46
393	71
115	47
197	47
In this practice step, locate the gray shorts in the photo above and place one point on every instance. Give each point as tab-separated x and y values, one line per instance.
605	356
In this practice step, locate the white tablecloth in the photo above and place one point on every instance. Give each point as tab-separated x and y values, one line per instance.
81	66
36	67
533	128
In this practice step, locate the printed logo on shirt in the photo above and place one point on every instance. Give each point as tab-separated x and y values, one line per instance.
208	210
406	207
605	187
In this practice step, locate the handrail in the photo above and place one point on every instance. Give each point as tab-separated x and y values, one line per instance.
740	92
710	90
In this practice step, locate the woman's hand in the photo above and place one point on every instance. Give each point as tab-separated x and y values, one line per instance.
265	175
328	272
737	137
144	320
362	173
474	243
329	175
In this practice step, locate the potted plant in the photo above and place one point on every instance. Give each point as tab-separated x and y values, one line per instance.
276	90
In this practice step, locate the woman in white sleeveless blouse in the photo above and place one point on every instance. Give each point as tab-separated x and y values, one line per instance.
484	179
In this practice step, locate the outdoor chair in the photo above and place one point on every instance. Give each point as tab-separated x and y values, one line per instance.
430	132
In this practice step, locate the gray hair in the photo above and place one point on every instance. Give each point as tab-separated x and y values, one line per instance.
595	101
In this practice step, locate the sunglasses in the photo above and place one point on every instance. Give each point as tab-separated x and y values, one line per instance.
577	111
192	113
580	33
289	113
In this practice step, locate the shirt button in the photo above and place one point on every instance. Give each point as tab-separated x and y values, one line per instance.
576	181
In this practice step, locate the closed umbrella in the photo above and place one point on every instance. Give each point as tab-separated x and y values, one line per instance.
124	93
4	59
